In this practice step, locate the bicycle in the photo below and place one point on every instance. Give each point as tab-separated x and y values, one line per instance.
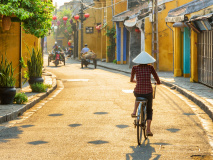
140	120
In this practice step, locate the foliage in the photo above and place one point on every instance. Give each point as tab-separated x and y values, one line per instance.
35	14
62	26
7	78
111	33
39	87
20	98
115	61
35	64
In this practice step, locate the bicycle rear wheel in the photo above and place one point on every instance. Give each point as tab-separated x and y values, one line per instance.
139	129
144	122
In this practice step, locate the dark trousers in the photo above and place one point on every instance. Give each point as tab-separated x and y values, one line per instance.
149	110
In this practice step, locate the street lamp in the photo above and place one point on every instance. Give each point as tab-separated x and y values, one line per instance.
82	18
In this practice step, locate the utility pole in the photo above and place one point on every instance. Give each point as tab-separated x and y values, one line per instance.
155	45
82	19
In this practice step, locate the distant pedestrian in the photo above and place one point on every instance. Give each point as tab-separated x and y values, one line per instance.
143	87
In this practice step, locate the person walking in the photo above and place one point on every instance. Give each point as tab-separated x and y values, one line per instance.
143	87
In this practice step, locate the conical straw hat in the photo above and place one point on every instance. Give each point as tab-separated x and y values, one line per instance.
143	58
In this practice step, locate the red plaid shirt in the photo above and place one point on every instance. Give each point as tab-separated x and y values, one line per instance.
143	78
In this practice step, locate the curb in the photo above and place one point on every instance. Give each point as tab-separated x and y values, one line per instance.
13	115
198	101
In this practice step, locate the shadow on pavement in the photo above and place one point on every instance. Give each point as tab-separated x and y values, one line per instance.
37	142
55	115
121	126
98	142
75	125
9	133
101	113
144	151
27	126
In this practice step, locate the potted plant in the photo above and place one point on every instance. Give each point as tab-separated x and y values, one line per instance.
7	81
35	64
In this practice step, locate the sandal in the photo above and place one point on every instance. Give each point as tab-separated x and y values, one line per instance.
149	133
133	115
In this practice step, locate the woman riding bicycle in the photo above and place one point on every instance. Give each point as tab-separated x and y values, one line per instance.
143	87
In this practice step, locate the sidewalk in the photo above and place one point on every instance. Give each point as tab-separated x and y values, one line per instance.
12	111
198	93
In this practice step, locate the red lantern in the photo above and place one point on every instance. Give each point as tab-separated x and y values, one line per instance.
137	30
97	27
65	18
54	17
86	15
76	17
69	43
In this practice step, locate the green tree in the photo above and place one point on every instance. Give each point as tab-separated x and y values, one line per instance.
35	14
65	29
111	33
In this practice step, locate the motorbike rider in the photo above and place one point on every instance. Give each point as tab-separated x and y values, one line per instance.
57	49
85	49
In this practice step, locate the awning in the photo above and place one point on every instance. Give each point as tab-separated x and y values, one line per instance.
178	14
131	22
129	13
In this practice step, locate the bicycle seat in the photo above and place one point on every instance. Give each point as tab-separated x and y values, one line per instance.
141	99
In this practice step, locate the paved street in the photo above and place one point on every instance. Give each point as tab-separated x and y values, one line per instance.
88	117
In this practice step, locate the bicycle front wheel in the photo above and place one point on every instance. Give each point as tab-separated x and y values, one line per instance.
139	129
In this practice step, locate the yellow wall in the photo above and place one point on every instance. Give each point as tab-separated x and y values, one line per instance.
164	36
10	44
28	41
194	64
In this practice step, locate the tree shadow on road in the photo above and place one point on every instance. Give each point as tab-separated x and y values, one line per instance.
143	152
9	133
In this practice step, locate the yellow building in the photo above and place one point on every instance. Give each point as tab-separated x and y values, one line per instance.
14	43
100	14
193	40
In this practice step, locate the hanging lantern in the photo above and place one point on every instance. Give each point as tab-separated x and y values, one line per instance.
76	17
137	30
69	43
86	15
65	18
54	17
58	23
97	27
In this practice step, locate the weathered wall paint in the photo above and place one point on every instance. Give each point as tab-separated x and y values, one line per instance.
10	45
28	42
165	36
194	64
98	41
135	45
177	53
15	44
